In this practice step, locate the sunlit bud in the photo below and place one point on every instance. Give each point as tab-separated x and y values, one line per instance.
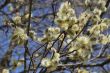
5	71
97	11
83	40
82	71
19	63
46	62
19	36
27	16
87	2
103	39
17	19
56	57
32	34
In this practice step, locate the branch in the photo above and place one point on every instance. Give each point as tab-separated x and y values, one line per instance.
86	65
26	43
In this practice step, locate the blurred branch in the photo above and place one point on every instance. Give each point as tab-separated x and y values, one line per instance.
86	65
26	43
103	49
105	71
53	10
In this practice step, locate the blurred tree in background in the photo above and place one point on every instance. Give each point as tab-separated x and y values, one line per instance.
54	36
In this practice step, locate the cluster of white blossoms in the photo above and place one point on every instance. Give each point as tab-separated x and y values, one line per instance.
46	62
19	36
65	16
84	40
97	29
51	33
51	63
17	19
32	35
83	48
84	17
100	4
104	39
66	19
5	71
